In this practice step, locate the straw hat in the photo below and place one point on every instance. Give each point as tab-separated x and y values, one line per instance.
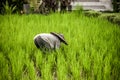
60	36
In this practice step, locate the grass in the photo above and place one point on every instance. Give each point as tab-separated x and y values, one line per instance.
92	53
112	17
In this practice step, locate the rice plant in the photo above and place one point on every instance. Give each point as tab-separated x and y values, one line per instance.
92	53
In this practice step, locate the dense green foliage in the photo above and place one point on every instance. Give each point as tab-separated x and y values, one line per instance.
116	5
11	6
93	52
112	17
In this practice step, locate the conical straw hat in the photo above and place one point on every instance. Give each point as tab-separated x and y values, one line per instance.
60	36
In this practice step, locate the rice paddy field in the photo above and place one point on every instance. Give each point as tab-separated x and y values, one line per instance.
93	52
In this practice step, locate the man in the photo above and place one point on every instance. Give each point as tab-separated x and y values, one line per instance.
49	41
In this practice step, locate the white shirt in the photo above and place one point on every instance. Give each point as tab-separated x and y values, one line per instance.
53	41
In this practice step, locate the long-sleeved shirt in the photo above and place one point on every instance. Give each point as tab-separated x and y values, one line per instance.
46	40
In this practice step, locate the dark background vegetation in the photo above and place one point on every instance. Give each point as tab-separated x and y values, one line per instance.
116	5
19	5
12	3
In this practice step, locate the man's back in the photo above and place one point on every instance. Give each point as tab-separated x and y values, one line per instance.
50	39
